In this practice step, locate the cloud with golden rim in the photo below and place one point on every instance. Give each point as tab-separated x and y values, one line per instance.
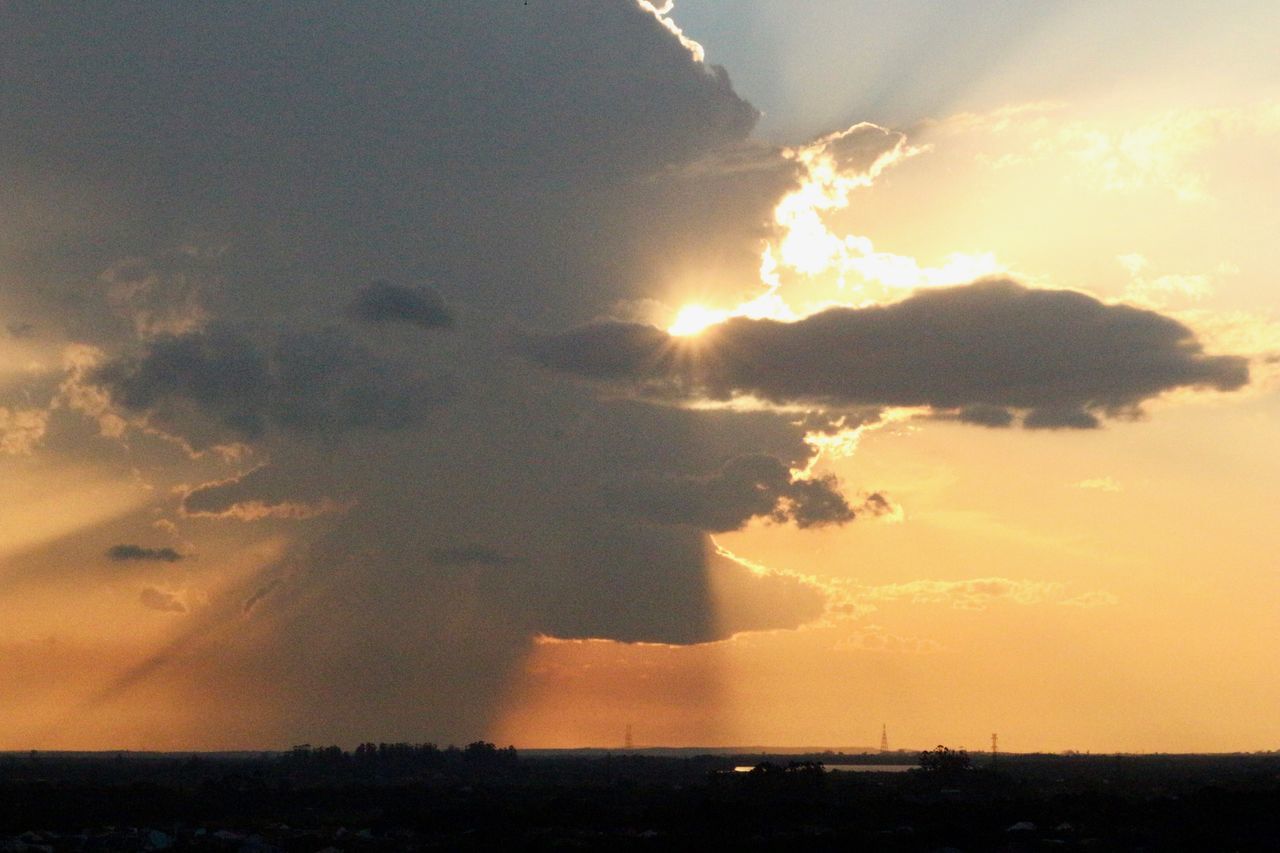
1063	358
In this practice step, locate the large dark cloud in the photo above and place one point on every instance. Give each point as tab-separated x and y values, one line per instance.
194	188
300	381
985	415
981	349
745	487
545	159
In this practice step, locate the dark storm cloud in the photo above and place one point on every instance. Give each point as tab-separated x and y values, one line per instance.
300	381
221	371
123	553
1061	355
988	416
520	156
196	191
745	487
382	302
1062	417
615	350
665	584
474	555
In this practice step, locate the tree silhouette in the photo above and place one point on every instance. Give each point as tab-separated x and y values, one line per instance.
944	761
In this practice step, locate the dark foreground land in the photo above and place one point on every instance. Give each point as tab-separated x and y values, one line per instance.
402	797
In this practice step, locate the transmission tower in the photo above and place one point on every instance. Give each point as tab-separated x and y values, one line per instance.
995	742
629	743
884	738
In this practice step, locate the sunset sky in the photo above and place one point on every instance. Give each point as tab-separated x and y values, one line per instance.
746	373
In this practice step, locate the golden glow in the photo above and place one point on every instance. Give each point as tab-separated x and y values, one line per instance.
44	504
1016	553
1008	533
72	649
671	695
692	319
848	268
807	267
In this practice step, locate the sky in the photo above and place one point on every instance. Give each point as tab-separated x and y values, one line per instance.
740	373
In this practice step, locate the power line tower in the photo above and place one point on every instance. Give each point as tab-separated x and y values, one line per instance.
884	738
995	742
629	743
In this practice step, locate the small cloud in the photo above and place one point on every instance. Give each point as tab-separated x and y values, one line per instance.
1093	598
166	525
973	594
1133	262
157	599
1100	484
875	638
1163	291
382	302
258	594
20	329
22	430
1166	291
879	506
123	553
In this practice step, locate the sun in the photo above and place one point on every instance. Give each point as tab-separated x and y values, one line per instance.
692	319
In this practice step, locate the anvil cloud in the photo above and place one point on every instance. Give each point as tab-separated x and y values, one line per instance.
272	278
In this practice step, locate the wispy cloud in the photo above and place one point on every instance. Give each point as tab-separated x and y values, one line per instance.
1100	484
973	594
1093	598
158	599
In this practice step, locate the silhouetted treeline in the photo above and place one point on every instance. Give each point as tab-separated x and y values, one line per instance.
402	759
946	762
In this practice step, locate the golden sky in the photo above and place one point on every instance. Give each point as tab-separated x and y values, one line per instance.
511	384
1103	590
1110	591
